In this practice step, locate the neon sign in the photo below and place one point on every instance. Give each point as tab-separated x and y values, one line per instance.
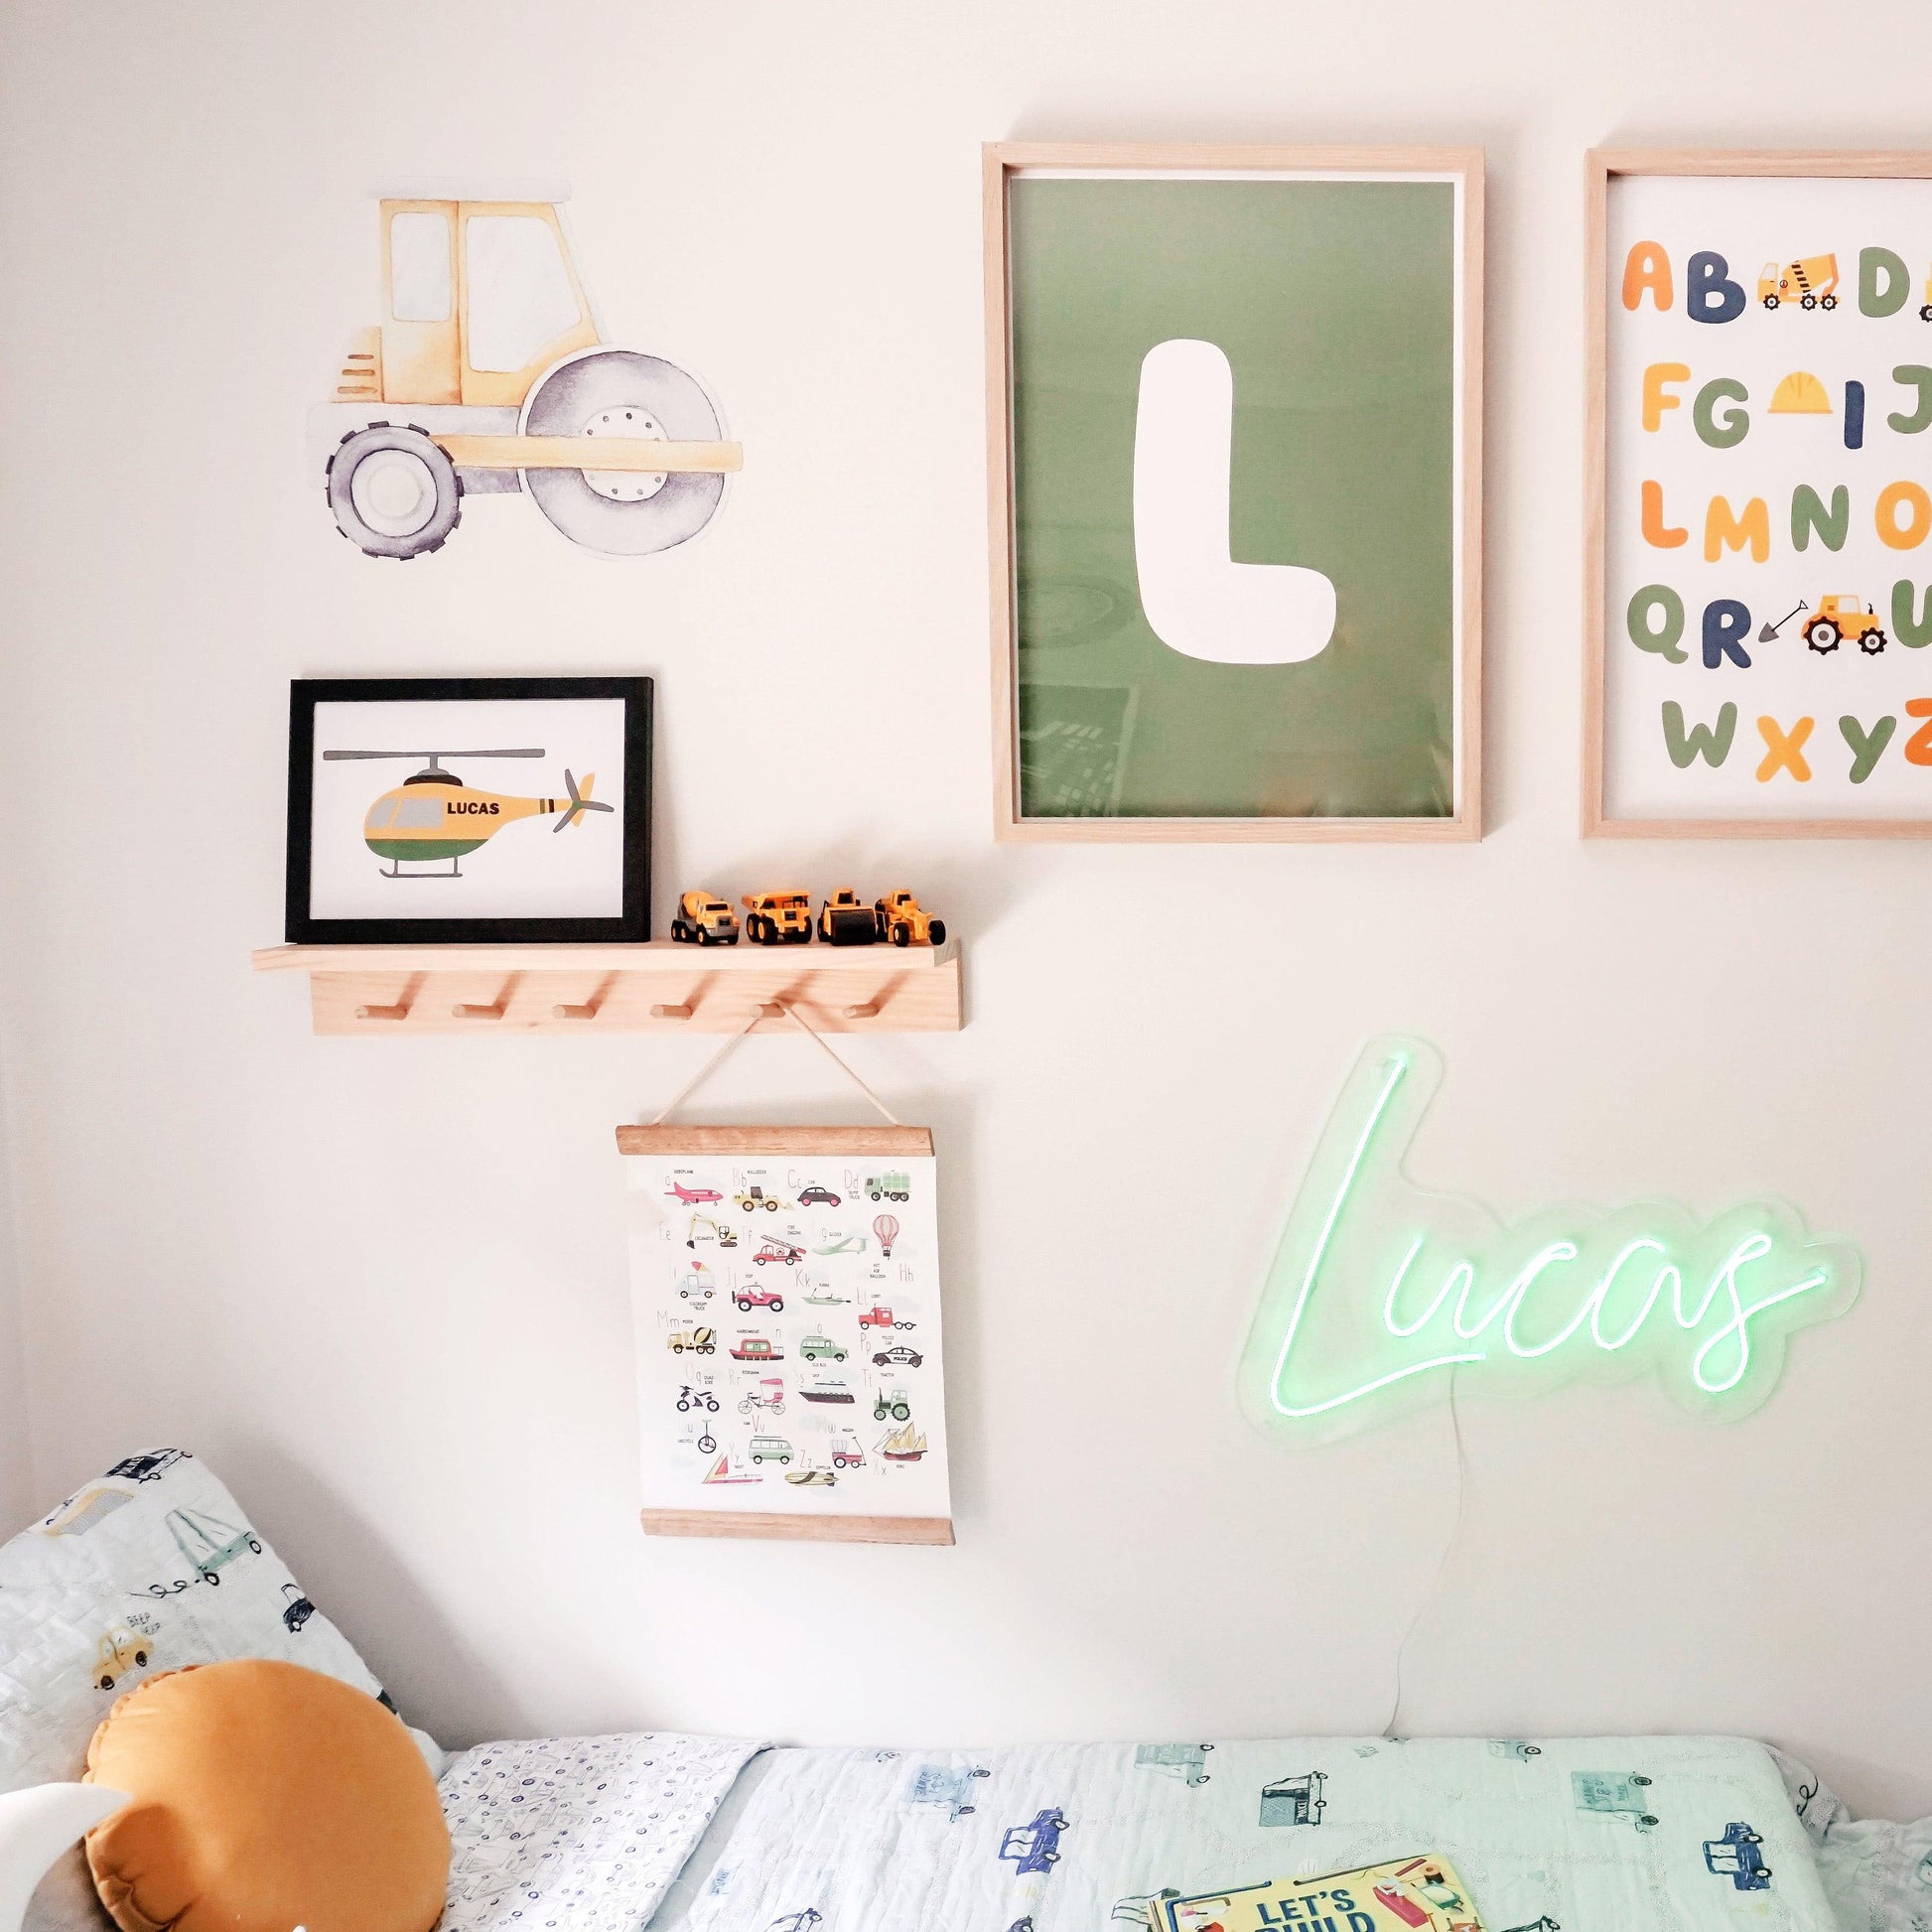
1380	1291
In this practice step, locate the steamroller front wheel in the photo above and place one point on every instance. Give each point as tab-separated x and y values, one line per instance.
393	492
618	392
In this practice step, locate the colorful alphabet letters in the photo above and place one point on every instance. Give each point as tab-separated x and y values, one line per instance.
1769	499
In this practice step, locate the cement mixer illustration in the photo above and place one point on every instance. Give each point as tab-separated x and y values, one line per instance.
1811	282
489	374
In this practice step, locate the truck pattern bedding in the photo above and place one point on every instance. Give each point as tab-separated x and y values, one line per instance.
1609	1835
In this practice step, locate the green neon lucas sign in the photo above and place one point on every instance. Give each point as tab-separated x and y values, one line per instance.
1379	1292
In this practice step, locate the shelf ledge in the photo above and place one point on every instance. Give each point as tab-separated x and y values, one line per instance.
658	987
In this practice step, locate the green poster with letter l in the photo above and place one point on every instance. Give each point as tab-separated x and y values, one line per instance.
1235	440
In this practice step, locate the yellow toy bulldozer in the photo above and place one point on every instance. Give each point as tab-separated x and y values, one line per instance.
489	373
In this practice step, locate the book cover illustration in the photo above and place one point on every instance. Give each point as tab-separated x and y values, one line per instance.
1412	1894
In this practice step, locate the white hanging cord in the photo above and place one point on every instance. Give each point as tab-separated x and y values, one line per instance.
1441	1567
792	1013
707	1069
757	1013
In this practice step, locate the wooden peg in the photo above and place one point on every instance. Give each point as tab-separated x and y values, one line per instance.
573	1013
671	1013
772	1011
870	1011
463	1011
383	1013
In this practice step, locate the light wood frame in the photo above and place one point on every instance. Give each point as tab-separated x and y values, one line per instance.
998	161
1601	165
808	1143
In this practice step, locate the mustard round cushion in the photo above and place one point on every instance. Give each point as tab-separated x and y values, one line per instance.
266	1797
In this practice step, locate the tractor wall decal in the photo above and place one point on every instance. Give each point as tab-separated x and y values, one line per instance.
489	373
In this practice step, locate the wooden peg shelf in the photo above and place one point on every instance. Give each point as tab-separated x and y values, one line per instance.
658	988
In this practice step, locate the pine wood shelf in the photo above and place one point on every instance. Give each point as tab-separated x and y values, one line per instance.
658	988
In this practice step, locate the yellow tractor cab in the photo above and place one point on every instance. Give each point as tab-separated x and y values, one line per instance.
703	919
844	922
778	918
489	372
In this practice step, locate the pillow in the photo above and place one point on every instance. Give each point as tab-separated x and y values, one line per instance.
147	1568
265	1796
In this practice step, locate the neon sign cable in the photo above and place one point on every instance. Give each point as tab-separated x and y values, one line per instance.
1380	1291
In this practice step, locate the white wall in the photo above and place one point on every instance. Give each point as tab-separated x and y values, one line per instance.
16	1468
381	1287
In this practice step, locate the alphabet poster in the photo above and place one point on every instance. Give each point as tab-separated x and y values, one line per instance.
1767	580
785	1293
1241	406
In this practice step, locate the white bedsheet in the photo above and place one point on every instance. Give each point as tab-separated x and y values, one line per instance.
578	1834
1624	1835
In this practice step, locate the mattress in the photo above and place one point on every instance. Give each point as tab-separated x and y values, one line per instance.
1592	1835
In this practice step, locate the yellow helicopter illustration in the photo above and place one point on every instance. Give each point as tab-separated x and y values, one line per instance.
433	818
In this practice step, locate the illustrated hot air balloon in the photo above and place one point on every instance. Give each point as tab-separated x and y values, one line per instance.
887	1229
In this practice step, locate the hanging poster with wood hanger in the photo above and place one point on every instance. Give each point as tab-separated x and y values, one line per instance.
786	1296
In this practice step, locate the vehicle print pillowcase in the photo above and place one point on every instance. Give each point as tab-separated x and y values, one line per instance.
150	1567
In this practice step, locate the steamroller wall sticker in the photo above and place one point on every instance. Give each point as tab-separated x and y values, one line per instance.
1380	1292
489	373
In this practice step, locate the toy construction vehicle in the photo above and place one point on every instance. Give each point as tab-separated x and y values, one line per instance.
843	921
903	922
488	374
1925	308
755	1197
778	918
1843	618
702	919
1812	283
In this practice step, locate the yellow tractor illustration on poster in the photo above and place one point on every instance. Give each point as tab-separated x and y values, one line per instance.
489	373
434	819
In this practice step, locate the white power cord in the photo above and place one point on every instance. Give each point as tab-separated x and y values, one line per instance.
1441	1567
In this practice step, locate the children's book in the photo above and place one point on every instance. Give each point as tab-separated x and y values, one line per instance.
1417	1894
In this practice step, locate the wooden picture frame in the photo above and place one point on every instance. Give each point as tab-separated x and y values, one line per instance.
328	903
1600	816
1453	618
848	1329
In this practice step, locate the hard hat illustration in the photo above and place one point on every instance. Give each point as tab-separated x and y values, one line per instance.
1800	394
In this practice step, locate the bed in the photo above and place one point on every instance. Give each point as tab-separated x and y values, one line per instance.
685	1834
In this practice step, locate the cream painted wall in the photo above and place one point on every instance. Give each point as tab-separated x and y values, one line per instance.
16	1471
381	1286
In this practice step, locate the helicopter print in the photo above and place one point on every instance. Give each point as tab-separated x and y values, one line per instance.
433	820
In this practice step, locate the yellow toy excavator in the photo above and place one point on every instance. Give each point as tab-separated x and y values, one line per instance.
489	373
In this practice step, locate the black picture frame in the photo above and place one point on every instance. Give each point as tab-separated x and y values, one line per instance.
632	925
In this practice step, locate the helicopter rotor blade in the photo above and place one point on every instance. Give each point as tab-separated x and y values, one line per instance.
522	752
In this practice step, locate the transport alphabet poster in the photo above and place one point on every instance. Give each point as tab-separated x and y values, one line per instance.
1768	569
785	1292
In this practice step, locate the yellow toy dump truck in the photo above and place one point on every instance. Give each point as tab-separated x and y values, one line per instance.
778	918
1844	616
704	919
1811	282
489	373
